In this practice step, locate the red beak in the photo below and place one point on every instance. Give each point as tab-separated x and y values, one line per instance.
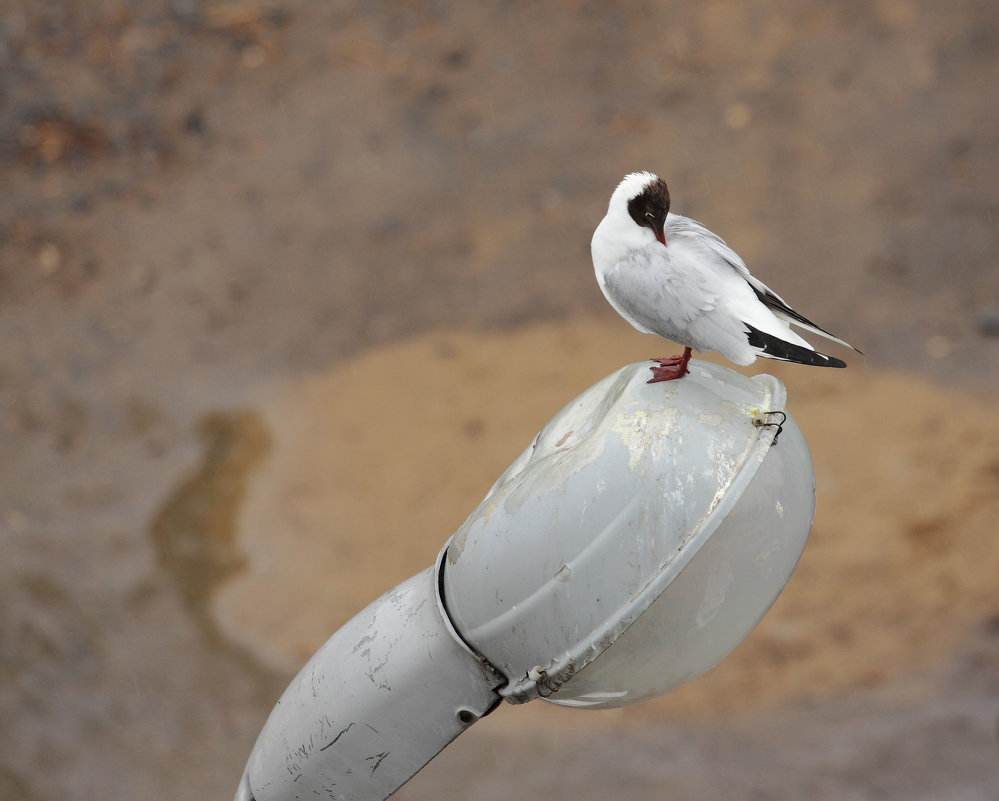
660	236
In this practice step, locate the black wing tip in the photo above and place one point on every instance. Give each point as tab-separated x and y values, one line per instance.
774	303
777	348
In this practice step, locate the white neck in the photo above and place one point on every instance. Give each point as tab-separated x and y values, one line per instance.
616	236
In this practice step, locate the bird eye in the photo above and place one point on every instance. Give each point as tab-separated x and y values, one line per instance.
650	216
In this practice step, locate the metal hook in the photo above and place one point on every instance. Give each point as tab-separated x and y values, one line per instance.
780	426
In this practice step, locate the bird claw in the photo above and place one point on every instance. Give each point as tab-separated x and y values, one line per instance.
670	367
667	372
667	361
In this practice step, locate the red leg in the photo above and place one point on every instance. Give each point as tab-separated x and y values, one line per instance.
670	367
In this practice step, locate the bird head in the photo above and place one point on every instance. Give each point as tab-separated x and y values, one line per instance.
636	217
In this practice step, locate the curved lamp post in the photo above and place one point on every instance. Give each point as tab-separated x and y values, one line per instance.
636	541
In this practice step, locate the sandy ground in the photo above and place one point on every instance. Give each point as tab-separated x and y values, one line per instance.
237	238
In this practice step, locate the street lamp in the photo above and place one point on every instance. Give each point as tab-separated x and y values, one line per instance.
635	542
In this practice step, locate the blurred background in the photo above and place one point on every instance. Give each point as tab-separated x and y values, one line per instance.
284	287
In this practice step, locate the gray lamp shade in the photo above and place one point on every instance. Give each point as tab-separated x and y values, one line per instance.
637	540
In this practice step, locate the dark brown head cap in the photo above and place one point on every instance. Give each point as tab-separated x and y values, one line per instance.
651	205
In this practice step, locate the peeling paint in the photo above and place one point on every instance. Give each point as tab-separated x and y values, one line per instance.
638	433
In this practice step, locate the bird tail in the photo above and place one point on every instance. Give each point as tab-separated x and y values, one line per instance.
771	347
783	312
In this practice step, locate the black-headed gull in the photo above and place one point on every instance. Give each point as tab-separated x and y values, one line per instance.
671	276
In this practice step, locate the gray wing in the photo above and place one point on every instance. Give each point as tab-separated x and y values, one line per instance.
664	291
677	225
710	241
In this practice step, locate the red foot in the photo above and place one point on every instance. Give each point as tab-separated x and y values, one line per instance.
670	367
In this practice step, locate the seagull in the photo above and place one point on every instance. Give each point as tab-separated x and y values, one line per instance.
669	275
